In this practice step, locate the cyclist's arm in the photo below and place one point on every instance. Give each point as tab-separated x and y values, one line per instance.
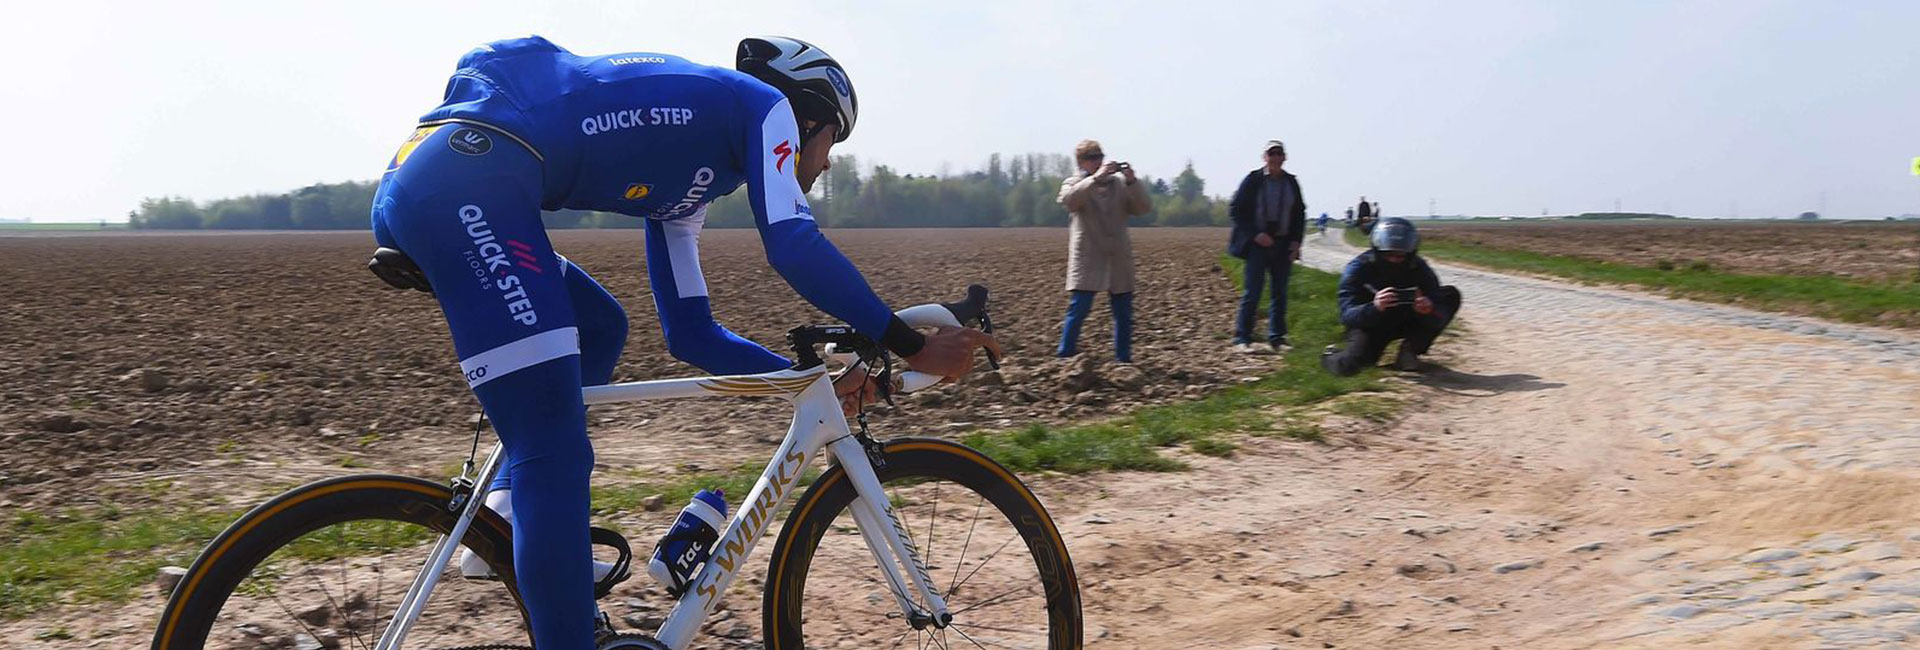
796	248
686	317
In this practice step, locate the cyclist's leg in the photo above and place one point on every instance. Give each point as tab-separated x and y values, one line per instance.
472	223
603	324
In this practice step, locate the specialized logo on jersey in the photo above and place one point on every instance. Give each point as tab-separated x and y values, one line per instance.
471	142
783	150
636	117
413	142
493	260
638	191
630	60
697	194
800	207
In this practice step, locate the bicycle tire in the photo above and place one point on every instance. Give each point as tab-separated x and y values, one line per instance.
912	462
231	557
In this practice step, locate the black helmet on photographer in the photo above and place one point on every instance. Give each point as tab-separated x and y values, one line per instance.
1395	235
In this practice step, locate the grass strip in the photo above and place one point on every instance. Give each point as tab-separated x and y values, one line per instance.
1894	304
1133	442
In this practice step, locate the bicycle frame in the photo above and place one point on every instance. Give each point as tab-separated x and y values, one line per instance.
818	425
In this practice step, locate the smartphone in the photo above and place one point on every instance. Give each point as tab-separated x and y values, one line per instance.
1404	296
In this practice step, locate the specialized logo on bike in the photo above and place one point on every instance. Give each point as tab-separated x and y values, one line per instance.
727	552
493	262
471	142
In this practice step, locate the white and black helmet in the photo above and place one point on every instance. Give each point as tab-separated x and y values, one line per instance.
1395	234
814	82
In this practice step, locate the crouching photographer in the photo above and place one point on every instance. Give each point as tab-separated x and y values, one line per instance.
1390	293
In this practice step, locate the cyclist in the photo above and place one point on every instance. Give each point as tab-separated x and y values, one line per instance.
527	126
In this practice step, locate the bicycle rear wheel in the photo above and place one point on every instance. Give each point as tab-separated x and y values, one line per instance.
330	561
990	548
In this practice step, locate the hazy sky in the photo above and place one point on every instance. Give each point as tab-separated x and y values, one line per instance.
1484	107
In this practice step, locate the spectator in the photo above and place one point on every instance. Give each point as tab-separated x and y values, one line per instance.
1269	221
1349	221
1099	199
1363	216
1390	293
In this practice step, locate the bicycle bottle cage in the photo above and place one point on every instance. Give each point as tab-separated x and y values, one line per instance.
398	270
622	567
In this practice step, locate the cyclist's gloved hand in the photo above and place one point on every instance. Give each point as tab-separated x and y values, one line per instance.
949	351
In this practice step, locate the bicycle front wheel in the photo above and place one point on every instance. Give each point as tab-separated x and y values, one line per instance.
328	563
991	550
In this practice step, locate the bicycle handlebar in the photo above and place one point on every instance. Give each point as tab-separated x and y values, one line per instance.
968	312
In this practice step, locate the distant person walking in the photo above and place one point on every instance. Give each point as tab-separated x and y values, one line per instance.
1269	221
1099	199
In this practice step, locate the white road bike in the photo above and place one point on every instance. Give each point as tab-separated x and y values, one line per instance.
958	552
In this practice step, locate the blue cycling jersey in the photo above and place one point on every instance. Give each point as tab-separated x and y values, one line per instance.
527	126
656	136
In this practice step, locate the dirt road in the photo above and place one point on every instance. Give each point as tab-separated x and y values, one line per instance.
1583	468
1590	469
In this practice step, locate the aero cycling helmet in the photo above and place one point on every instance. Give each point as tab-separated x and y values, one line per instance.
1395	234
815	83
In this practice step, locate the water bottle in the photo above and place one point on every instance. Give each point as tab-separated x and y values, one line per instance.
681	552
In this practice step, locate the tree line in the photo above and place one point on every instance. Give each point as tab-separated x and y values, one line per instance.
1007	191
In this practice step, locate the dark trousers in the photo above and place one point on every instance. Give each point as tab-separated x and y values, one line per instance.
1271	263
1079	304
1364	346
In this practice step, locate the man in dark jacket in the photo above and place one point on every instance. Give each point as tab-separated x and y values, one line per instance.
1269	220
1390	293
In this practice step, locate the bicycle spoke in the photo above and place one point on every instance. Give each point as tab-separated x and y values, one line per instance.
983	563
976	642
932	517
955	582
997	629
993	600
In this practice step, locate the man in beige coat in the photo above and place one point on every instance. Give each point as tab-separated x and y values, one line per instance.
1099	199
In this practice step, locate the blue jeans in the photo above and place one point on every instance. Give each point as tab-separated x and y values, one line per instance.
1079	304
1273	262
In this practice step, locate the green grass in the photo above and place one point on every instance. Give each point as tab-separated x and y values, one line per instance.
92	555
1884	303
1133	442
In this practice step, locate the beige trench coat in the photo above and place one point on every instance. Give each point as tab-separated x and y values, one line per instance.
1099	253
